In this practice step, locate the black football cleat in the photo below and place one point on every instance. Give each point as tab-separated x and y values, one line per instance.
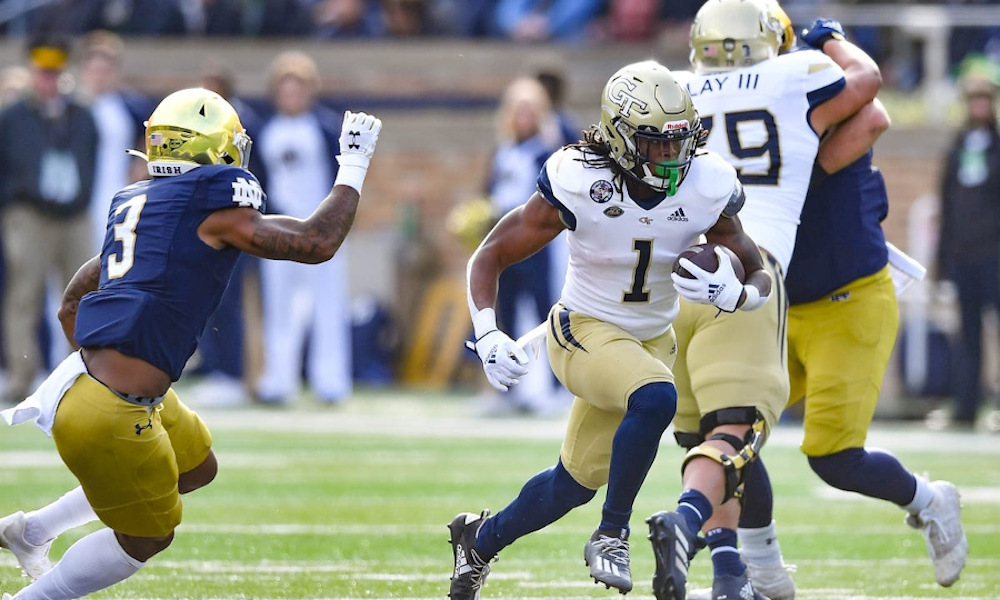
606	553
470	569
673	547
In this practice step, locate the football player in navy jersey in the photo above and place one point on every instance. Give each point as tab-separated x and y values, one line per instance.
136	313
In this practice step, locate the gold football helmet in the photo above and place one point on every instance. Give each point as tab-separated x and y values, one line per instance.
643	100
194	127
788	30
729	34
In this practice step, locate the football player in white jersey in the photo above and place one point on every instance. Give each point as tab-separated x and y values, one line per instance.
765	114
634	194
842	324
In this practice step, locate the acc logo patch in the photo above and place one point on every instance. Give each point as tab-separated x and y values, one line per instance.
613	211
601	191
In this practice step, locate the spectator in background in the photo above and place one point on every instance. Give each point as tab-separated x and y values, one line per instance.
527	133
406	18
969	240
48	148
297	148
542	20
633	20
213	18
553	79
223	343
14	80
150	18
118	114
464	18
346	19
285	18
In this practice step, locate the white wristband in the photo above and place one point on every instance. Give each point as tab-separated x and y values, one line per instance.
484	322
753	300
352	171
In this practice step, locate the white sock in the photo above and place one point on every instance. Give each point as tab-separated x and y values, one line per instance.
95	562
69	511
760	545
922	498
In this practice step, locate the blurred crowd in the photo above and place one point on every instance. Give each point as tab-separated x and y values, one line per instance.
526	20
561	21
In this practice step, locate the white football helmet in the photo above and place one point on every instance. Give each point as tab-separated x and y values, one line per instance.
729	34
643	100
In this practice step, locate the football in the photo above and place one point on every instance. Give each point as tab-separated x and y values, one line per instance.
704	256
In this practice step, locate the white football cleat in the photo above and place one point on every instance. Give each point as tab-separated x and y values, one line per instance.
773	581
33	559
941	524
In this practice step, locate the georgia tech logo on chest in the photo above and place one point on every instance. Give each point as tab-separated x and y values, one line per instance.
618	93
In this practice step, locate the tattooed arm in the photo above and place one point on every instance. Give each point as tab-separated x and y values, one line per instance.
312	240
86	280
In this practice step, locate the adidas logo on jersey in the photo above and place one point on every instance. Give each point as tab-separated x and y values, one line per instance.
677	215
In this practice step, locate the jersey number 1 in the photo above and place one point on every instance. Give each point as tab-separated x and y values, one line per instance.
119	264
638	292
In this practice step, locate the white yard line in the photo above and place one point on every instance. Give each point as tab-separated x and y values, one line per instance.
426	424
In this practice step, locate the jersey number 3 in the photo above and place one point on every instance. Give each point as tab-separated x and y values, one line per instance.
120	263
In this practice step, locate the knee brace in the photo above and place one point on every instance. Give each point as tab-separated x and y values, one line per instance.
746	449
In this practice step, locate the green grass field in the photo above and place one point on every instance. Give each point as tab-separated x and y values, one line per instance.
353	503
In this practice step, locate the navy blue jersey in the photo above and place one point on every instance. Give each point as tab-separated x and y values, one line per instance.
159	281
840	236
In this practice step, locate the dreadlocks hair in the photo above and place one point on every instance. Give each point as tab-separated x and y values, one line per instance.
597	154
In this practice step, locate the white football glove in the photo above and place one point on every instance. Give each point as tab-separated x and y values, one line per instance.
720	288
504	362
358	137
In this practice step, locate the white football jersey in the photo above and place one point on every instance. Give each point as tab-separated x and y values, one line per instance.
758	120
621	250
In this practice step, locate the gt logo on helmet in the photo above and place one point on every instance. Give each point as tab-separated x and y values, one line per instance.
618	93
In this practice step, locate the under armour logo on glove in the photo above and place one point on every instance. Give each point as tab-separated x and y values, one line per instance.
353	144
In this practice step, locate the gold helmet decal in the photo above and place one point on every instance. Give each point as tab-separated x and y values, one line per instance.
643	100
194	127
729	34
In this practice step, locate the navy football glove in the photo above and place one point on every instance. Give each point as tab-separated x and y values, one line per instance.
823	30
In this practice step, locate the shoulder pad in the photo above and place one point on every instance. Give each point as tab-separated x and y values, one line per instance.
813	68
736	201
717	176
